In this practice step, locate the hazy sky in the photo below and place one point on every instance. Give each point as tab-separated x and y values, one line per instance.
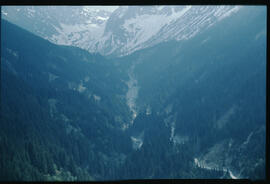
108	8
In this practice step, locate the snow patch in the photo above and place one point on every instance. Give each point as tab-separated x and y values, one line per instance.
178	139
169	119
71	128
228	13
124	126
84	35
14	53
260	34
231	175
205	40
52	77
148	110
248	138
144	27
4	13
137	141
81	88
96	98
102	18
64	118
225	118
86	79
52	105
172	131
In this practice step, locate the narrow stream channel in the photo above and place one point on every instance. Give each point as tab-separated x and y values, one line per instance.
132	93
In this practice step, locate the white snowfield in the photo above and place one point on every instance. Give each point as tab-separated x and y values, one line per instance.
180	25
129	28
148	29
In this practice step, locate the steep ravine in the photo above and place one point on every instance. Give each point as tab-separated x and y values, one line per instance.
132	94
131	97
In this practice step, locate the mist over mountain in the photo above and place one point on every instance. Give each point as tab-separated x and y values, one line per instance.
143	92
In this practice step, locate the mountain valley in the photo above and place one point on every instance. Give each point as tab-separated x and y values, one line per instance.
102	97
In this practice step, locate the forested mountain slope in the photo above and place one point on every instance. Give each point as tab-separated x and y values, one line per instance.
210	91
58	108
180	109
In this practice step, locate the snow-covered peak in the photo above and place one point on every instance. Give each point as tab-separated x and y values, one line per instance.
118	32
137	27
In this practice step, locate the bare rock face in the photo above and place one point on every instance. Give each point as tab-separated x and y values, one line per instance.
117	33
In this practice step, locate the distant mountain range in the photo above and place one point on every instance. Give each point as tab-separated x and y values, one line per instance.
184	100
124	31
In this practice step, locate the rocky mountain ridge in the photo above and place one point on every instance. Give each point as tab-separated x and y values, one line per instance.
117	33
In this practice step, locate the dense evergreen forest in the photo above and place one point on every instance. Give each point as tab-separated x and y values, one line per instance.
199	110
